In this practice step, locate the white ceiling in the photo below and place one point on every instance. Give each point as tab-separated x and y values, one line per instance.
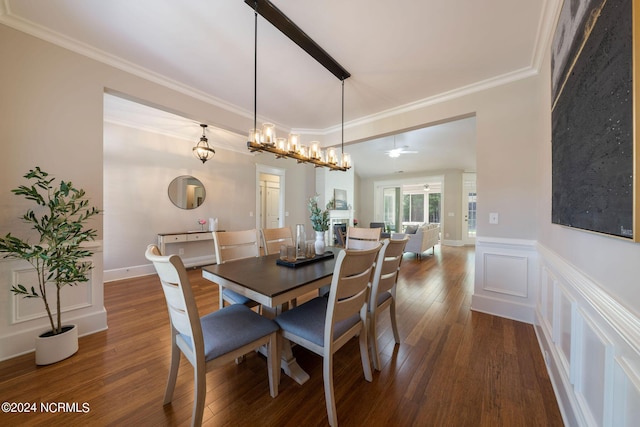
401	54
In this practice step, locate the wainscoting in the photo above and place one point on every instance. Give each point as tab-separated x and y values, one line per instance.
590	342
506	278
25	318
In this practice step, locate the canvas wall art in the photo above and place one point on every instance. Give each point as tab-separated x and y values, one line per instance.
594	177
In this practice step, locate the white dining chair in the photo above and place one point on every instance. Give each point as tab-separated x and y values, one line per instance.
383	291
324	324
235	246
212	340
362	237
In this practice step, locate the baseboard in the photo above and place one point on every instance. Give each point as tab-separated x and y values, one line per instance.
23	341
146	270
560	383
447	242
503	308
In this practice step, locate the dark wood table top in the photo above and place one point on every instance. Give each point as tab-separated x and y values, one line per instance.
275	283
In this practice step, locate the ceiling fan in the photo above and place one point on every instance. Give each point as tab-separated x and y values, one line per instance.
396	152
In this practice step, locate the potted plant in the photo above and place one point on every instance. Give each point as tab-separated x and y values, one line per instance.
319	221
59	219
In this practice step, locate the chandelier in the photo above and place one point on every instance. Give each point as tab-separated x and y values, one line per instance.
265	139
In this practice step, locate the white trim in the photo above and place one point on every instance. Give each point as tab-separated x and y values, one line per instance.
599	384
511	291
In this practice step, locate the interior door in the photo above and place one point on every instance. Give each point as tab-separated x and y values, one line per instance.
272	206
469	200
270	191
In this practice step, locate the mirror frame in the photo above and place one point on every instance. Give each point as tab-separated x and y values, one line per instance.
186	192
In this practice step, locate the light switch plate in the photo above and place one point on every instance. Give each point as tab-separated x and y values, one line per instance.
493	218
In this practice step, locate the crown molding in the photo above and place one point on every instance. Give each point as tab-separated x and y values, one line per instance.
551	10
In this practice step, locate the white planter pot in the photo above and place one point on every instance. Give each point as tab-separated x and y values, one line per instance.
54	348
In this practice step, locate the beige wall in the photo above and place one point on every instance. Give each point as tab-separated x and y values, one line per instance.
508	137
51	109
138	167
51	104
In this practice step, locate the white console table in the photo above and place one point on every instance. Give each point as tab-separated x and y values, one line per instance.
182	237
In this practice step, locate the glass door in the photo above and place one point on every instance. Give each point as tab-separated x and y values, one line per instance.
392	198
469	219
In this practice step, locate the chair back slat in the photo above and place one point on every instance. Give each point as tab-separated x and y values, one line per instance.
272	238
359	237
235	245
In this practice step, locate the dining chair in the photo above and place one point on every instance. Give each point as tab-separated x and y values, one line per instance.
324	324
234	246
273	238
212	340
340	234
383	291
361	237
382	226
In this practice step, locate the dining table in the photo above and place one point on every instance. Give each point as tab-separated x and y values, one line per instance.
264	280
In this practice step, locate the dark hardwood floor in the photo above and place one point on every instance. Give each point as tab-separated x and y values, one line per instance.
454	367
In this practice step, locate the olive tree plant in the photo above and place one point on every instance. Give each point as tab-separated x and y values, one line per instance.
59	256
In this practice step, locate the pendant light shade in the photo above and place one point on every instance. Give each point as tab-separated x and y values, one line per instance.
202	150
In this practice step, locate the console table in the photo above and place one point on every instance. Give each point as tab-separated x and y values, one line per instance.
182	237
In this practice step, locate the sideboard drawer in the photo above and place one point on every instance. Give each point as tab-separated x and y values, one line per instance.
175	238
192	237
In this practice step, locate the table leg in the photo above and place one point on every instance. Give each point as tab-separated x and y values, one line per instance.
288	363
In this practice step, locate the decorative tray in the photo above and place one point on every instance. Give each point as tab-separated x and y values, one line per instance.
305	261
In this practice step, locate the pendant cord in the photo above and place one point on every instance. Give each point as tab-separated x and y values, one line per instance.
342	117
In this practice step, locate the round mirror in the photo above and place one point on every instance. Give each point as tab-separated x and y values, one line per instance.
187	192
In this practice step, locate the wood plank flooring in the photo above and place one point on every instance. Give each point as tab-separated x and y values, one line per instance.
454	367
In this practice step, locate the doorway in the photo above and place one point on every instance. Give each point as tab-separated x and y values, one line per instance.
270	192
408	202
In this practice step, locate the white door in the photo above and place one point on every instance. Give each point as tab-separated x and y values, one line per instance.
469	208
269	203
272	206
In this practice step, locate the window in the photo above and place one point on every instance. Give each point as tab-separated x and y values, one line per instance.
434	207
413	208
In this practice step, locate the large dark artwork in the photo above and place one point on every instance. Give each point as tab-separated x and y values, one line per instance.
593	118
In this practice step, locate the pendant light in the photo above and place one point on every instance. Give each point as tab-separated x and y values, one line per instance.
202	150
265	139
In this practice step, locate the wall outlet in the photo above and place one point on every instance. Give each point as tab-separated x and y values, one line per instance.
181	251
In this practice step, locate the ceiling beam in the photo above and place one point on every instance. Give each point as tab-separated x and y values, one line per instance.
279	20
